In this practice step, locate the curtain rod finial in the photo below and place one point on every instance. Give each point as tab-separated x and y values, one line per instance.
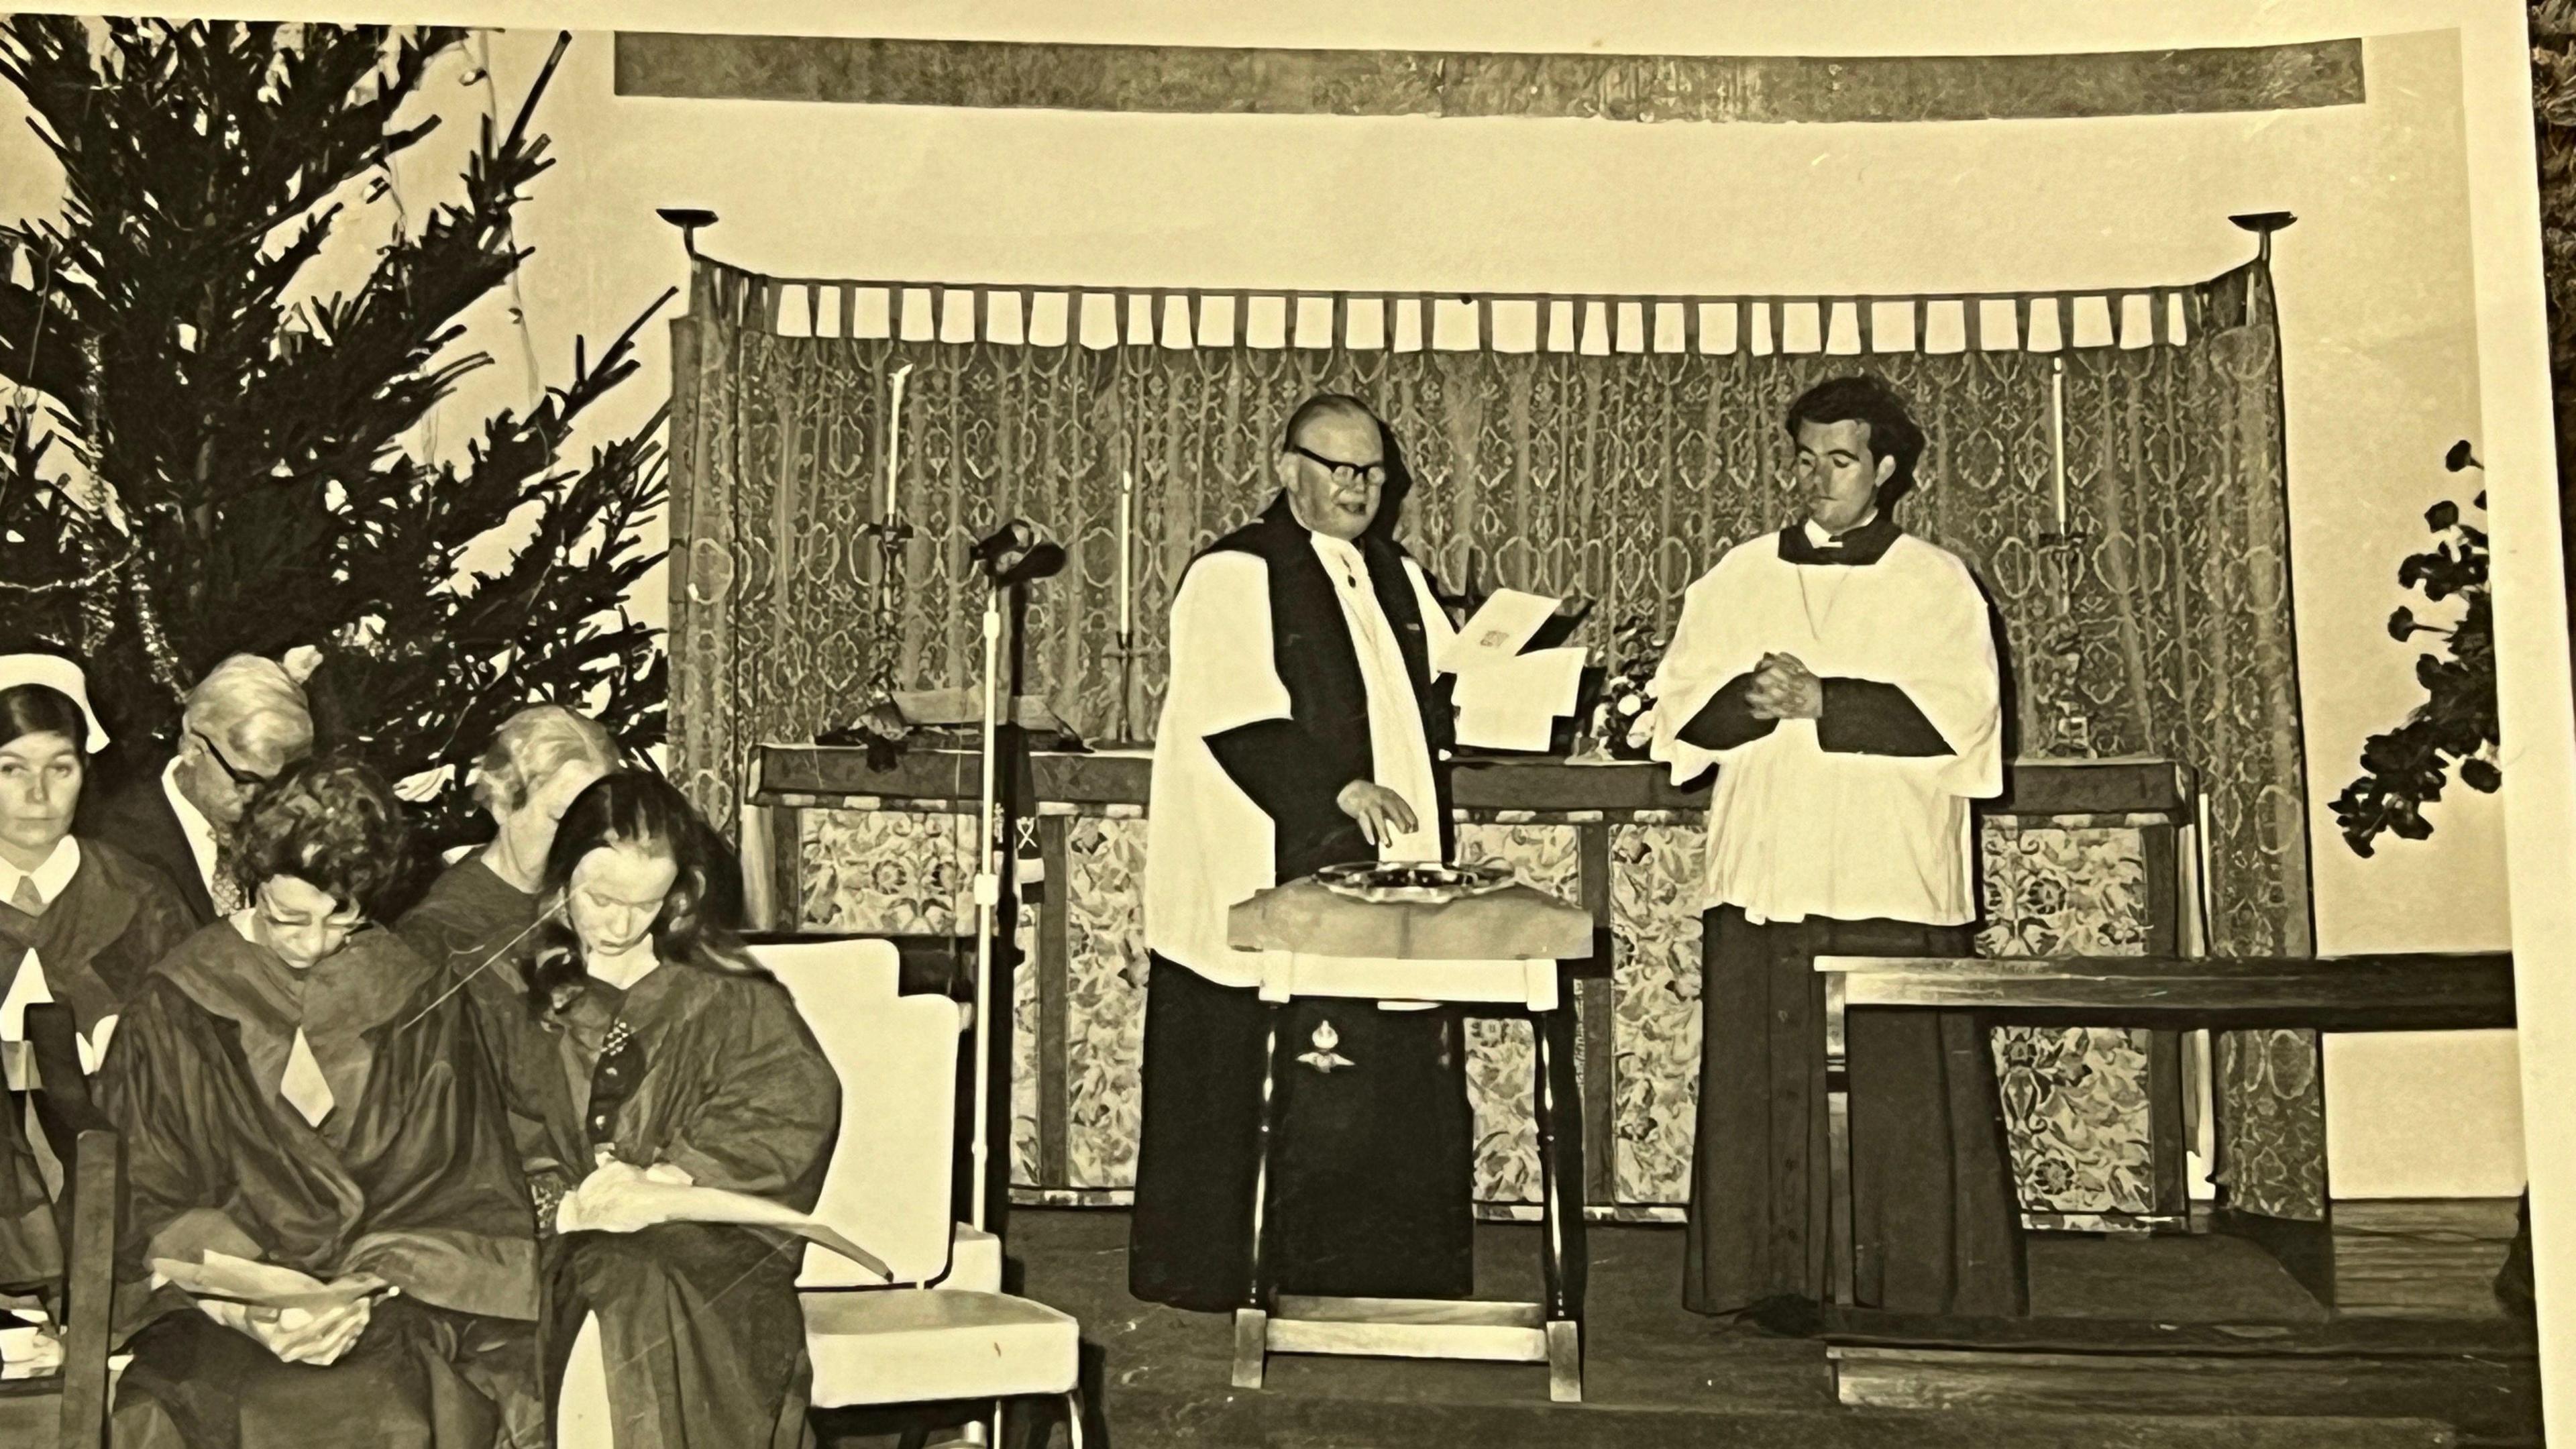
688	219
2263	224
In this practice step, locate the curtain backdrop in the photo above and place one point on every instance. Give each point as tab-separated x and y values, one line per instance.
1615	460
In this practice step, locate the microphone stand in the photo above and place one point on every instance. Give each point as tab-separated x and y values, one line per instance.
997	902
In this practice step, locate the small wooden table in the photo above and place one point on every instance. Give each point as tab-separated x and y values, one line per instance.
1504	951
2388	992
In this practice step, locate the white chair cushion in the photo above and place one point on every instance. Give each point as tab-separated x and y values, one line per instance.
902	1345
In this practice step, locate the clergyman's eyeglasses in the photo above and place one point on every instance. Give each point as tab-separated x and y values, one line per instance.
1373	474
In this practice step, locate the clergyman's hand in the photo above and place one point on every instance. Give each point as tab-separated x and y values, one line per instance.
1381	812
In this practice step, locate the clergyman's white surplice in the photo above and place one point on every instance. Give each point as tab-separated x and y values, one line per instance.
1208	846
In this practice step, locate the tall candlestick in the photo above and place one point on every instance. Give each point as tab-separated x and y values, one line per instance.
2057	437
894	440
1126	574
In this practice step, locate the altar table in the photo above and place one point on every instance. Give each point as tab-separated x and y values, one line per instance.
1497	951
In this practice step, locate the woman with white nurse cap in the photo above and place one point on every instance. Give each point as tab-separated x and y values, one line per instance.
97	918
82	923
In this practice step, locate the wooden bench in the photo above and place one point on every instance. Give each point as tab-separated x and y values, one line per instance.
2376	993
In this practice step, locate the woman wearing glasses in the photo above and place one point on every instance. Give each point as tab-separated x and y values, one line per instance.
300	1088
687	1064
81	922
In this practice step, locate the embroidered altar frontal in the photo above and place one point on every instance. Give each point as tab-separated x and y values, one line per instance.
2079	859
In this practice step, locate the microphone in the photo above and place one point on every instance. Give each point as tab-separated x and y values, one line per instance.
1012	537
1015	554
1042	561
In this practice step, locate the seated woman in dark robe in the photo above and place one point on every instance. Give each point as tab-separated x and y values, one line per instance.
685	1063
298	1088
81	924
478	920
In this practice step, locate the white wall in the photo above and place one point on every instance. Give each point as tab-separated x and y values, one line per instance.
2375	281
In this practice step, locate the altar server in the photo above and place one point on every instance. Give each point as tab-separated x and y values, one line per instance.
1841	675
81	922
244	722
1301	730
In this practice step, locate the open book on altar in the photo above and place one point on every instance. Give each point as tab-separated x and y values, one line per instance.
1509	695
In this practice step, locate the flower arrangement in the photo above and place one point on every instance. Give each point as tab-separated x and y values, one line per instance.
1623	720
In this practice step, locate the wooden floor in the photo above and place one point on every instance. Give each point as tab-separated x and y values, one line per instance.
1659	1375
2431	1260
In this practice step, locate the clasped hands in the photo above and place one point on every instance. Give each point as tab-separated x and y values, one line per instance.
301	1335
1784	688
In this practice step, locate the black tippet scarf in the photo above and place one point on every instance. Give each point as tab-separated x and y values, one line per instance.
1294	768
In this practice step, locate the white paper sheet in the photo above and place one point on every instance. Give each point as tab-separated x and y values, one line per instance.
262	1285
1498	632
620	1202
1514	703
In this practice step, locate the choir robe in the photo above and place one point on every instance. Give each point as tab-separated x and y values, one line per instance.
1849	834
1268	715
480	928
96	943
410	1176
714	1073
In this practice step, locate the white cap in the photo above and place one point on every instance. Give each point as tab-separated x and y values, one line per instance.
63	677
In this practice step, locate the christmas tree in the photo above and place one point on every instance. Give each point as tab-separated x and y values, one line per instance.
198	465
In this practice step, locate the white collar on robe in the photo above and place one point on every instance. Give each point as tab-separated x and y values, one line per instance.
52	877
1342	558
1816	532
192	823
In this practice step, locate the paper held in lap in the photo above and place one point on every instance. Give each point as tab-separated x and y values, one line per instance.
620	1203
229	1279
1508	700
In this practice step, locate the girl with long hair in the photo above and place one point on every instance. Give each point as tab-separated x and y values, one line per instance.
686	1063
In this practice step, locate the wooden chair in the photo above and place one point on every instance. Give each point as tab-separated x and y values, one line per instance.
69	1407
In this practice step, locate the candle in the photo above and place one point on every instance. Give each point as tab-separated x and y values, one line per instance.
2057	437
1126	530
894	440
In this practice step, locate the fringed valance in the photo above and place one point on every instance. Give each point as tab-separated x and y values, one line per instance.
1180	318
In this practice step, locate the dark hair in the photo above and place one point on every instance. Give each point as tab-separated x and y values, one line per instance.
632	807
331	822
1864	398
40	709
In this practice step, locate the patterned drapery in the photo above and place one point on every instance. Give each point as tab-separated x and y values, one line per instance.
1615	459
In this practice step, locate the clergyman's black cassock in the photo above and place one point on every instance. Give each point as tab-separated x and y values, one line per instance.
1373	1161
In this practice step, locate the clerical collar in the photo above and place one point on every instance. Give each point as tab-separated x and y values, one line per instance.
1804	543
1341	552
